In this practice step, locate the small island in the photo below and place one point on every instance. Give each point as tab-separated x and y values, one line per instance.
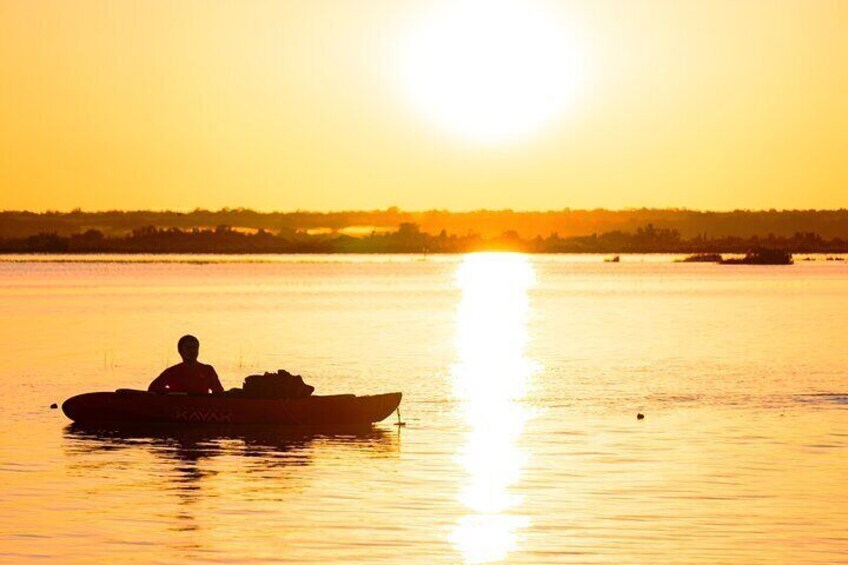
702	258
762	256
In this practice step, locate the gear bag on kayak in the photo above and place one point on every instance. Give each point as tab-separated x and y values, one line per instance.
281	384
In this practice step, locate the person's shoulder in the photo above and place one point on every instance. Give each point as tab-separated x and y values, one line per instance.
172	369
207	368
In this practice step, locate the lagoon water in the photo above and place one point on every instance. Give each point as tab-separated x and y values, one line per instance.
522	377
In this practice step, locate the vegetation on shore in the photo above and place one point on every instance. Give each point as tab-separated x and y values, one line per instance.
488	224
408	238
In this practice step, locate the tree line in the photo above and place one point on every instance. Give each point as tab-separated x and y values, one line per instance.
408	238
487	223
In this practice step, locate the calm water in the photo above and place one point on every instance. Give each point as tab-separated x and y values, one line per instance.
522	379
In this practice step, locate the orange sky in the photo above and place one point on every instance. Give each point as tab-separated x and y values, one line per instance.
302	104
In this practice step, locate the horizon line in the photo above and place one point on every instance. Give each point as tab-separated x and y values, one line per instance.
397	209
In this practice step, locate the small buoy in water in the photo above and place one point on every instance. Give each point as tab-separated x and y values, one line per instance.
54	406
640	416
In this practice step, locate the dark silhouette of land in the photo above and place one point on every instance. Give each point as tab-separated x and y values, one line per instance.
395	231
487	223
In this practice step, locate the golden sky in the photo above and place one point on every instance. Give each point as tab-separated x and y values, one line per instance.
320	104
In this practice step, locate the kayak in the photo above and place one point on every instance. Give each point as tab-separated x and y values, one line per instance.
126	406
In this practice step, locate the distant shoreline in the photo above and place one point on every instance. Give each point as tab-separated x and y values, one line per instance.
407	239
486	224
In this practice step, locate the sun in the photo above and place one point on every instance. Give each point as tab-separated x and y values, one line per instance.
491	70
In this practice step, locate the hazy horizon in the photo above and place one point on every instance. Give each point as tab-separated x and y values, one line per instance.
828	224
518	210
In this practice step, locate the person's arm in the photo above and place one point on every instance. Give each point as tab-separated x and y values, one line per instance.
160	383
214	381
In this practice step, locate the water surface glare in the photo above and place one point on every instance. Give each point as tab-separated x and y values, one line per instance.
522	377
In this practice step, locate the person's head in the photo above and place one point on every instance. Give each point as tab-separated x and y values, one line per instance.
189	348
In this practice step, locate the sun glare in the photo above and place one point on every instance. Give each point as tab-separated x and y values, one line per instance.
493	70
490	380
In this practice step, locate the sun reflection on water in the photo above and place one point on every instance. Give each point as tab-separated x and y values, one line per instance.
490	378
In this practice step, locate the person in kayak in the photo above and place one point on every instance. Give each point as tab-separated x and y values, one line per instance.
190	376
